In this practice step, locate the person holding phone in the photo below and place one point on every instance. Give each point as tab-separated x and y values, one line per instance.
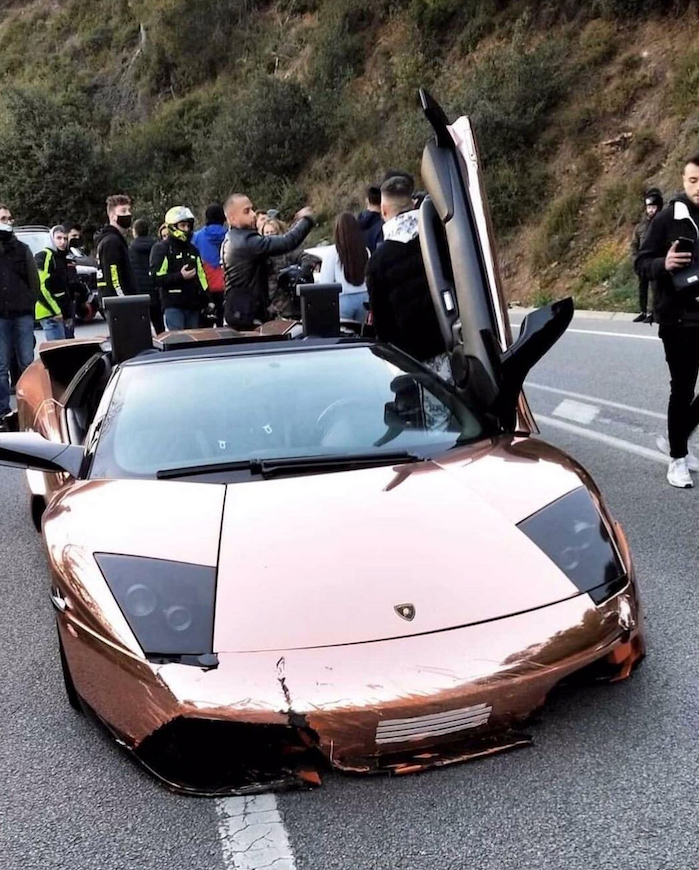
669	257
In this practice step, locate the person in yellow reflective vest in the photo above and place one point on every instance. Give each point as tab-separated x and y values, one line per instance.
58	279
178	274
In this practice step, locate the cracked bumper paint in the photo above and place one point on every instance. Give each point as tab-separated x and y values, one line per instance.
329	702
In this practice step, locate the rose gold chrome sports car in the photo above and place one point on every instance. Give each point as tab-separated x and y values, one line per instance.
271	553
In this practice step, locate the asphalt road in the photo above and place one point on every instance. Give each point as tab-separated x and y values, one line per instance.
610	781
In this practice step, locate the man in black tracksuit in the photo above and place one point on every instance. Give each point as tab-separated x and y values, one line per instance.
245	255
115	276
399	296
677	313
178	273
653	205
139	255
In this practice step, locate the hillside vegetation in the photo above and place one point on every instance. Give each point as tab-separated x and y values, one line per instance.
577	108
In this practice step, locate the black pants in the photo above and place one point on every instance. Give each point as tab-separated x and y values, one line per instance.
219	301
156	315
682	354
643	295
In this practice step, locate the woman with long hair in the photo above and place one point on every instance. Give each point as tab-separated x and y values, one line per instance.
346	265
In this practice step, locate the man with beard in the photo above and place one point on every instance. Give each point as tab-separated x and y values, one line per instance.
669	257
245	255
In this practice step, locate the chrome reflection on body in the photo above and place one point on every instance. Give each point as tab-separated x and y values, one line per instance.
436	725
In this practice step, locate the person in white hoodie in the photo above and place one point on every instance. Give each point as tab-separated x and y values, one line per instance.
346	265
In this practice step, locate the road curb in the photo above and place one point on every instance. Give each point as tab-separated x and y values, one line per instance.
583	314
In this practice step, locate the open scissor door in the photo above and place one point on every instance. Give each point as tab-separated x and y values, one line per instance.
459	253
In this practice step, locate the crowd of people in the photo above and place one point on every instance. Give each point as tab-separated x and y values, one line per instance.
229	272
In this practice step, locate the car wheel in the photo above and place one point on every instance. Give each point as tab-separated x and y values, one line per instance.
73	697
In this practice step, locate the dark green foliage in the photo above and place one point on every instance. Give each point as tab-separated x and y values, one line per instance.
261	139
52	166
190	43
509	97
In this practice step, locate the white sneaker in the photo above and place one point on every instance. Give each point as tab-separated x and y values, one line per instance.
663	446
678	474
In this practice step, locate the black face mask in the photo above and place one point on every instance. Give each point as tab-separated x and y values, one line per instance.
124	221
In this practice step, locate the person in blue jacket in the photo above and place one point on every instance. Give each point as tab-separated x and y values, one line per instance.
209	240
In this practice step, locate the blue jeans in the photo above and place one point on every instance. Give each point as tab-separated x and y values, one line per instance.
180	318
352	306
54	328
16	339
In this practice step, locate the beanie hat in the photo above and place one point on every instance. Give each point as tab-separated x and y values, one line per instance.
214	214
654	197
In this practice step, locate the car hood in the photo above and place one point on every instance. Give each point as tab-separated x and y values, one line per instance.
325	560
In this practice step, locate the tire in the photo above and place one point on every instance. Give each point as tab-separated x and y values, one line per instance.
73	697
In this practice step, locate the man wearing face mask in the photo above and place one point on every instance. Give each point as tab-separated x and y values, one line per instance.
19	290
178	273
115	276
58	278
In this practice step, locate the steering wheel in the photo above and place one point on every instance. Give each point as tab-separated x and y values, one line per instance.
328	417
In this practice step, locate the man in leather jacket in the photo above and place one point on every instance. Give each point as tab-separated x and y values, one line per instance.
245	256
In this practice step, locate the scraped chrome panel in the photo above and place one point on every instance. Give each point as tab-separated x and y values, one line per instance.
437	725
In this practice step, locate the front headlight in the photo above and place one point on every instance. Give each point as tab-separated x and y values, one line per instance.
573	535
169	605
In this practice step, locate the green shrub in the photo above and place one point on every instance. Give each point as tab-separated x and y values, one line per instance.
560	223
261	140
608	280
620	204
508	98
52	167
645	142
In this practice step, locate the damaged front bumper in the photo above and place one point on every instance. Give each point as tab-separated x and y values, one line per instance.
270	720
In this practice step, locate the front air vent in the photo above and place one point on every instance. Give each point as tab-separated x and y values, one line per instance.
436	725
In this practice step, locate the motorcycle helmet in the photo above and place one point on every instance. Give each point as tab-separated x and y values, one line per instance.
653	196
180	214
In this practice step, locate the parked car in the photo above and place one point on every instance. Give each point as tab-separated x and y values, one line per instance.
280	551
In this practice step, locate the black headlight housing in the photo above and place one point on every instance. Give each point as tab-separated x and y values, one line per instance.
573	534
168	605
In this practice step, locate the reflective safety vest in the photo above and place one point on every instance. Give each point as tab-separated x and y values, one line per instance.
47	305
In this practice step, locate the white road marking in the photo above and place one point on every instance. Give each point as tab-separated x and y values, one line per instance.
252	834
578	412
609	440
604	332
614	334
596	401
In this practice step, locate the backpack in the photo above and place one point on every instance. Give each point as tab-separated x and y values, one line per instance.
214	275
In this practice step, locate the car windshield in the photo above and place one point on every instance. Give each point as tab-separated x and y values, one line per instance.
340	402
36	240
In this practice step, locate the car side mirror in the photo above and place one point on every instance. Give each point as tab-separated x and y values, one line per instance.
29	450
540	330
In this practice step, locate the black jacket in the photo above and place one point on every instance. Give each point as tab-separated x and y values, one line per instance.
167	258
245	256
115	276
400	300
680	218
639	232
371	225
139	256
19	280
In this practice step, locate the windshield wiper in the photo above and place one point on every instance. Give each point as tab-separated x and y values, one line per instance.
292	465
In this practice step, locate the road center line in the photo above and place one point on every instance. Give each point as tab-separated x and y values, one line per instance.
252	834
603	332
595	400
609	440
